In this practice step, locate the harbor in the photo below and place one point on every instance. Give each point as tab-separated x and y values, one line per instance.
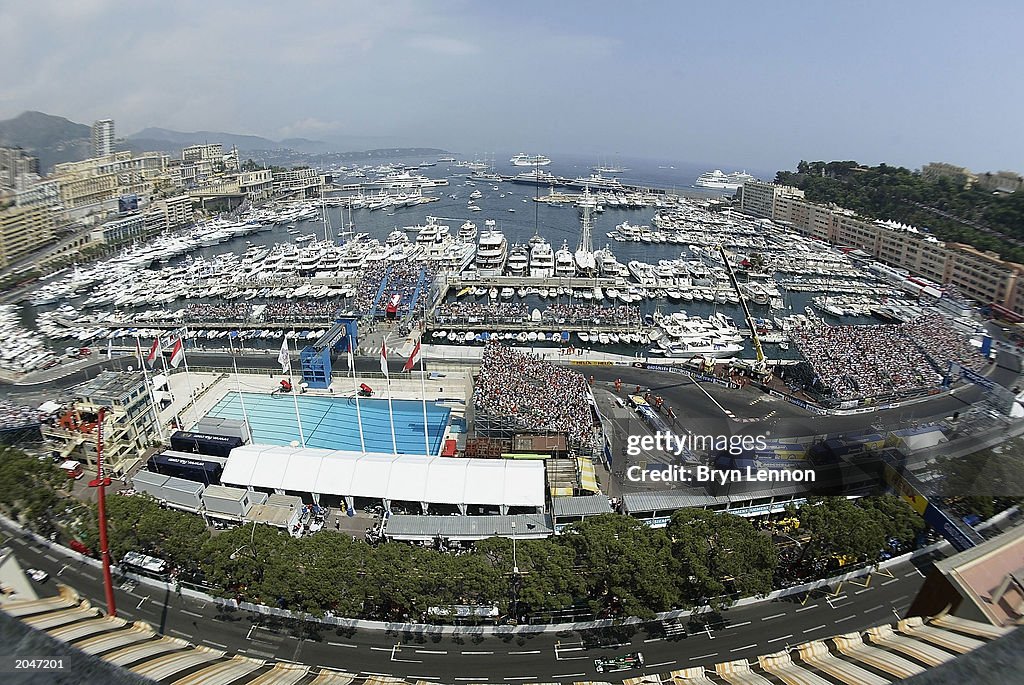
621	270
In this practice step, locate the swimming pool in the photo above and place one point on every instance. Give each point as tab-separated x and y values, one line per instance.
330	422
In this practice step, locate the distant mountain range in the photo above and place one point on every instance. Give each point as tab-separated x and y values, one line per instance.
52	139
55	139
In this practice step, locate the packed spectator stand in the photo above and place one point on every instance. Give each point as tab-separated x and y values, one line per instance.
885	362
533	395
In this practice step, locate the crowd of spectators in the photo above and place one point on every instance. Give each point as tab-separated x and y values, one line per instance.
517	313
216	312
402	279
858	362
16	415
533	394
301	310
943	343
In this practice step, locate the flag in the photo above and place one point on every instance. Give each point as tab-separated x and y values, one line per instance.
384	358
154	351
411	361
177	353
283	358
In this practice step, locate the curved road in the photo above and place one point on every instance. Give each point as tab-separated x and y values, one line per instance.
743	632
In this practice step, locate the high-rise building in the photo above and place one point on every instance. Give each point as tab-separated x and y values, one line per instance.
102	137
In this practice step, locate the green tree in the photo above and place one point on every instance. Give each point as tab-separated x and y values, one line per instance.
628	567
720	554
547	575
839	531
30	488
895	516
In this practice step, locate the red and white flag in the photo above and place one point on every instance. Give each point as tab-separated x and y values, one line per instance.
411	361
384	358
177	353
154	351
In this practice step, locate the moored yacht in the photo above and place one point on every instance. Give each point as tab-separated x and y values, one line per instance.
491	253
542	259
518	261
564	263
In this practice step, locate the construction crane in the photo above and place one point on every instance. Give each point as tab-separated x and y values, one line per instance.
760	366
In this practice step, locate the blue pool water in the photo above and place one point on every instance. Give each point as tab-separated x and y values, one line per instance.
330	422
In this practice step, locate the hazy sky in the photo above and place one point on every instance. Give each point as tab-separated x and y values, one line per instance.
754	84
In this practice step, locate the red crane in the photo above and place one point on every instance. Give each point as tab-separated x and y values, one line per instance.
101	482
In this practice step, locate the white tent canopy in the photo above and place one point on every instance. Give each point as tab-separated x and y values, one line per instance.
434	480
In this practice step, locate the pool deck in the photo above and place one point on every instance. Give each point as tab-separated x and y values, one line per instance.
210	388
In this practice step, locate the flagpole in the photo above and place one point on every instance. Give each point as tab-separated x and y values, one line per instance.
423	394
188	375
152	392
238	385
295	392
359	414
391	410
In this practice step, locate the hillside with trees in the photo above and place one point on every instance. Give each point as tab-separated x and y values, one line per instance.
951	212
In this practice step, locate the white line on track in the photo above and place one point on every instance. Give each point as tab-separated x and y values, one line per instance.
740	649
342	644
532	651
768	618
811	630
806	608
868	611
427	651
215	644
738	625
191	613
847	618
703	656
777	639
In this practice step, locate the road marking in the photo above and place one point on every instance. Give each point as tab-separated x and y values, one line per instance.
738	625
777	639
342	644
740	649
868	611
561	675
860	591
51	558
178	632
382	649
127	613
659	664
523	677
703	656
897	599
62	569
840	620
215	644
477	652
532	651
654	639
917	571
427	651
19	541
265	655
768	618
480	680
811	630
423	677
191	613
806	608
890	581
141	602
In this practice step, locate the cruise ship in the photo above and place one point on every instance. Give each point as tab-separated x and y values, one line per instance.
718	179
523	159
492	253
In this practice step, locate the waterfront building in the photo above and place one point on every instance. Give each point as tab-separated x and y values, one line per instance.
980	275
98	180
16	164
1001	181
102	137
961	176
129	428
758	198
22	230
256	185
301	182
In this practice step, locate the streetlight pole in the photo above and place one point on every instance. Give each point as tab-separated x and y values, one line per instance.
515	577
100	483
515	564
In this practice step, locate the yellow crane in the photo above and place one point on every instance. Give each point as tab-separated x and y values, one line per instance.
760	366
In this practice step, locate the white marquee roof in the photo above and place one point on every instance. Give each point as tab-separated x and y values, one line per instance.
436	480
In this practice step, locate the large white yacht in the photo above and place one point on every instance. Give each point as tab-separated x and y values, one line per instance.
718	179
542	259
564	264
491	253
518	260
468	232
523	159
